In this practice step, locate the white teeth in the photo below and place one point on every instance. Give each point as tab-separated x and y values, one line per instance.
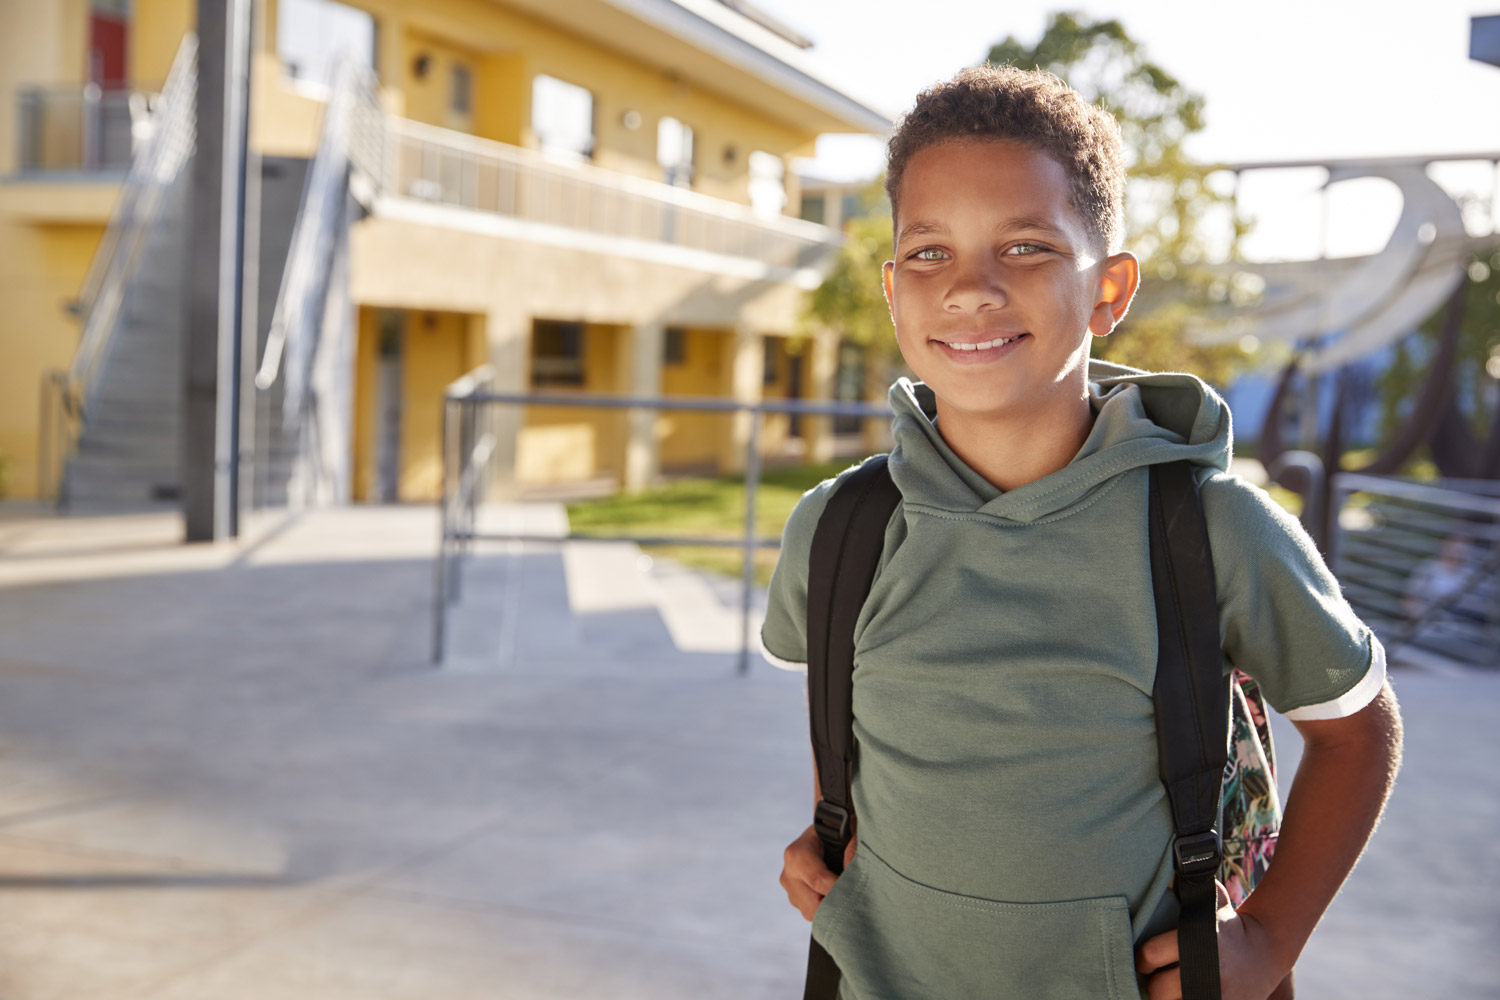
986	345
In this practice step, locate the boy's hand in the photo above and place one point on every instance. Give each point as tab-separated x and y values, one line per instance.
804	876
1246	969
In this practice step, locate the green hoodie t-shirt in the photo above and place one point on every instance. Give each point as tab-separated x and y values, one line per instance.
1013	831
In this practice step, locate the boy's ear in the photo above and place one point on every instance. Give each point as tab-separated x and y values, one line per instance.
1117	285
887	279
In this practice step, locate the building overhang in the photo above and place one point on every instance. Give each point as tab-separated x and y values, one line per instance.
707	44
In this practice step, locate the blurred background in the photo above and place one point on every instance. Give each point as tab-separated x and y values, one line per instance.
400	404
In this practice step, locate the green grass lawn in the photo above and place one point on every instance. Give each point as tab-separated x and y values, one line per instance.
709	506
715	506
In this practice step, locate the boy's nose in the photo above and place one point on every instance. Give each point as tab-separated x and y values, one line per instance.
975	288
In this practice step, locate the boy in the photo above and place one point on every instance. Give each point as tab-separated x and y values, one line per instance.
1013	835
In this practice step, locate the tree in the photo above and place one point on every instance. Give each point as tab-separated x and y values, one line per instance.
1166	204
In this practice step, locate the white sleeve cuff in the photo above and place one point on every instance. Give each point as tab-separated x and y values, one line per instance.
1352	700
777	661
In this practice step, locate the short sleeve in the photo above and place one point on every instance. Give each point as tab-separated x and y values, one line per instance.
783	637
1282	617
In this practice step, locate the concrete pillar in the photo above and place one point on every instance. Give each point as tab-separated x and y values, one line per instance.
820	371
509	349
745	364
640	362
391	62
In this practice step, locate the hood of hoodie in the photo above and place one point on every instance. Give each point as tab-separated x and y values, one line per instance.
1140	418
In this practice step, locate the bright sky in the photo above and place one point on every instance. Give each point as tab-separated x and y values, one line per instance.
1282	79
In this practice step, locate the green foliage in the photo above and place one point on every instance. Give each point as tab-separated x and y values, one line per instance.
1167	200
850	299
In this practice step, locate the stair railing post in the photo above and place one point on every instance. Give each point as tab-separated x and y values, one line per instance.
440	572
752	485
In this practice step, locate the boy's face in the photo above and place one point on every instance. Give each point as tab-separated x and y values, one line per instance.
990	252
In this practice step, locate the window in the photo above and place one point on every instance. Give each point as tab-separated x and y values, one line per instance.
674	346
312	34
674	152
461	96
562	116
556	354
772	349
767	184
813	207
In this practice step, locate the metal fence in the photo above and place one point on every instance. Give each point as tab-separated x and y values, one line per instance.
1421	564
81	128
469	447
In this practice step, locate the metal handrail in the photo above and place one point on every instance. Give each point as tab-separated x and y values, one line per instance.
1393	560
351	111
152	171
457	505
57	426
431	164
601	177
154	168
107	118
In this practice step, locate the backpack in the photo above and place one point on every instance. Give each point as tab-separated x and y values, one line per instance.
1194	733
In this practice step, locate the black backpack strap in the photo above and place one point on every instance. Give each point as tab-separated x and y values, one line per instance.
846	550
1192	715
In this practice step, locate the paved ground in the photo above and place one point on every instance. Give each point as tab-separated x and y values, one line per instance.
230	772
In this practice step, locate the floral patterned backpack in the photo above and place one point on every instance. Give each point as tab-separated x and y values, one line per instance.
1251	810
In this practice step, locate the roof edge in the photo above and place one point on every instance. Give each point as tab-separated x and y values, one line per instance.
731	36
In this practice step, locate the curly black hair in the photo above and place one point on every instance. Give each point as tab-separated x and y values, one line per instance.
1031	107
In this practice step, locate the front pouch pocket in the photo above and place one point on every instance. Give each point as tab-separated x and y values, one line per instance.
895	939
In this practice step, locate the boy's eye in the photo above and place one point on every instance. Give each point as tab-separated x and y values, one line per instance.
928	253
1025	249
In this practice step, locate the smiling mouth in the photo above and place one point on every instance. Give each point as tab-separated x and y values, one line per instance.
983	345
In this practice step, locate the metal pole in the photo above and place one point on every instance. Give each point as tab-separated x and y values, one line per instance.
461	516
43	464
440	575
752	484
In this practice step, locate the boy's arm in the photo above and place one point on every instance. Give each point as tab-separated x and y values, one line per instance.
1347	769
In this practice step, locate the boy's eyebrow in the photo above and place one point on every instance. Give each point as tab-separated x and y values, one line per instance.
1033	224
924	227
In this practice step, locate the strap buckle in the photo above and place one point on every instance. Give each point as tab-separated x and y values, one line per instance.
1198	854
831	822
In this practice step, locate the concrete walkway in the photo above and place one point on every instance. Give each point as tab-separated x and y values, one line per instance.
229	772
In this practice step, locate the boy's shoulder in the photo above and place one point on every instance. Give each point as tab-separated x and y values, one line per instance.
784	632
1244	518
803	521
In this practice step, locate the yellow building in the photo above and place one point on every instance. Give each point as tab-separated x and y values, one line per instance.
585	194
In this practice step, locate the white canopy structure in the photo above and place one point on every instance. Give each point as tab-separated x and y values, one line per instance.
1346	308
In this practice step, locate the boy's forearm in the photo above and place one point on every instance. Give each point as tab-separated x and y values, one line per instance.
1347	770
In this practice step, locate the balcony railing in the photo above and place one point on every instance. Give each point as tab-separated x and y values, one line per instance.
82	129
441	166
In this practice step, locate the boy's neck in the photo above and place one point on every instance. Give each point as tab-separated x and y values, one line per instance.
1012	449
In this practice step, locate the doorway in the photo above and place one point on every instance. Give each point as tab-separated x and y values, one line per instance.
388	381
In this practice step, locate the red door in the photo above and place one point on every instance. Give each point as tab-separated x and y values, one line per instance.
109	40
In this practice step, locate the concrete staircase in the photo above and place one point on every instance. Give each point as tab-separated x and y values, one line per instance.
127	455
